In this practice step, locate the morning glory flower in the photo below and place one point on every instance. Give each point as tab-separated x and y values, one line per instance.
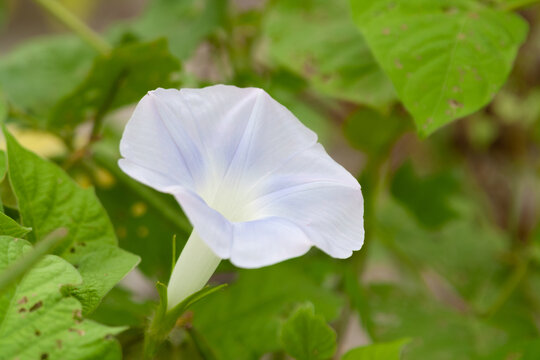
252	179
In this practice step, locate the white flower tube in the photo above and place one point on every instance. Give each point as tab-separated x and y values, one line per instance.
251	178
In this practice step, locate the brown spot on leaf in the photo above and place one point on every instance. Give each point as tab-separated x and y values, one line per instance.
37	332
310	68
36	306
461	36
398	64
59	343
454	104
450	10
44	356
23	300
386	31
77	316
78	331
21	310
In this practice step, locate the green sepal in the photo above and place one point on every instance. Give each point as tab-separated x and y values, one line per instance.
164	321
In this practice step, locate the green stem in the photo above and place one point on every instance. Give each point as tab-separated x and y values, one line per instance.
508	288
517	4
76	25
17	270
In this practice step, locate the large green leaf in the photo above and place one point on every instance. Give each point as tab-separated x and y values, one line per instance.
445	58
317	40
37	321
117	79
380	351
37	74
252	308
306	336
49	199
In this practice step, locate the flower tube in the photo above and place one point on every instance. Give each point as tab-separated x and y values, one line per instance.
252	179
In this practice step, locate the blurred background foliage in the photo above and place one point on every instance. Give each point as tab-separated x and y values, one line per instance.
434	105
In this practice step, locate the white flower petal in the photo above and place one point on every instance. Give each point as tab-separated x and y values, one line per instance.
266	242
211	226
310	165
331	215
148	142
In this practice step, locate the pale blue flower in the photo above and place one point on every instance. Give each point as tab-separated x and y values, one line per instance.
252	179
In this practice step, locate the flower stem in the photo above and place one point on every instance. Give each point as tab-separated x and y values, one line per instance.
74	23
196	264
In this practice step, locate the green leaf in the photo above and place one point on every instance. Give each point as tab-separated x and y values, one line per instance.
465	251
37	74
336	61
446	59
18	269
427	197
457	272
252	308
306	336
185	23
49	199
10	227
118	79
38	322
439	332
380	351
